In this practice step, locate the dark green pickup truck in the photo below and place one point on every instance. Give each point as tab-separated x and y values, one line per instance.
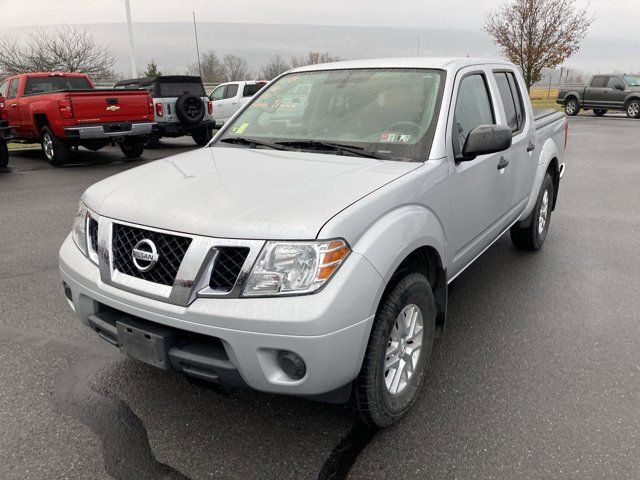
605	92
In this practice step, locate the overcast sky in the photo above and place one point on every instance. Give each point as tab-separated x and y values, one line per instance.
612	42
615	18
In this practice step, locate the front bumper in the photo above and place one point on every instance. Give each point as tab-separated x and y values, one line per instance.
329	329
111	130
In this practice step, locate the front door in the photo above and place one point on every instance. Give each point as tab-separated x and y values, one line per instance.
479	190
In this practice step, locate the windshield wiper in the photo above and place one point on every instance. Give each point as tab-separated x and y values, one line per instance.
334	147
252	143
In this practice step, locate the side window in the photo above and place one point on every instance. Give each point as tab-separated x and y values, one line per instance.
507	100
614	81
251	89
473	108
3	89
599	81
218	93
232	90
13	88
511	99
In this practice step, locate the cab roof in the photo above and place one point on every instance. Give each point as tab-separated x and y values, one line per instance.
439	63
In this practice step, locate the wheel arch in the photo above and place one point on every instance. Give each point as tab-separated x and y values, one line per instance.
40	120
416	238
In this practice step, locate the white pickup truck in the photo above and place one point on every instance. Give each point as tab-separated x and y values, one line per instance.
308	250
228	98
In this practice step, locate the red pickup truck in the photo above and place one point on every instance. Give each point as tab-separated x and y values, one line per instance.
64	110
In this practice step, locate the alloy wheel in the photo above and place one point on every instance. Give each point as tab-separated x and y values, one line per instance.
403	349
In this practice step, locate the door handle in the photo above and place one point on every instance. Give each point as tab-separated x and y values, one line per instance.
503	163
531	147
14	105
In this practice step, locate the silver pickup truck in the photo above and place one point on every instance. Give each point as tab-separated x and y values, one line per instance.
309	253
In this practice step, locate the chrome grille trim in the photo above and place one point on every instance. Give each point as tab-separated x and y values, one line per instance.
192	279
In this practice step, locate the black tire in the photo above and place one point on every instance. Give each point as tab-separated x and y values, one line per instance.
202	136
371	398
55	150
4	153
132	147
599	112
633	108
572	107
153	141
190	109
531	238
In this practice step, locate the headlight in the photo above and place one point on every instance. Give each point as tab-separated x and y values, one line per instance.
79	231
286	268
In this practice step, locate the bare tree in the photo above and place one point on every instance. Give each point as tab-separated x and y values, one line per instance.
535	34
313	58
275	67
235	68
213	70
69	48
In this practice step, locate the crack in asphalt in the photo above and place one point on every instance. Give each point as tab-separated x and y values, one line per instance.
126	451
125	444
344	455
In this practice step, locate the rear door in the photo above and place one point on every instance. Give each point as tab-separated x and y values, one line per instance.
595	94
480	192
12	105
522	161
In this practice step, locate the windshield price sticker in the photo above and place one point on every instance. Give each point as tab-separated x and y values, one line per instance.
389	137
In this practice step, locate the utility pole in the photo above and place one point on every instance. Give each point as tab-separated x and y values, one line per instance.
195	30
418	48
132	50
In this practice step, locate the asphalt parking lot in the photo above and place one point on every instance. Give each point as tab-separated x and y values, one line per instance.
538	375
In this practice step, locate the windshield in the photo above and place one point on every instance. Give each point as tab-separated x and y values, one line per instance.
390	113
632	81
36	85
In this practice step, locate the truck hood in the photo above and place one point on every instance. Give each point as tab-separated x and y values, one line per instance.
241	192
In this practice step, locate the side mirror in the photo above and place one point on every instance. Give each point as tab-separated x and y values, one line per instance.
484	140
619	86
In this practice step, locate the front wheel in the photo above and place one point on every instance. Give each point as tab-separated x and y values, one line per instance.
397	354
633	109
532	236
55	150
4	153
599	112
572	108
132	147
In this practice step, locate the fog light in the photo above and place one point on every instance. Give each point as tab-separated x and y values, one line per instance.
292	364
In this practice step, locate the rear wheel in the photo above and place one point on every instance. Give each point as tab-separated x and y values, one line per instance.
55	150
132	147
4	153
202	136
532	236
599	112
572	107
398	352
633	109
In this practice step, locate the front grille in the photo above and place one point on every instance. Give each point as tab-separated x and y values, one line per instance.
93	234
227	268
171	251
